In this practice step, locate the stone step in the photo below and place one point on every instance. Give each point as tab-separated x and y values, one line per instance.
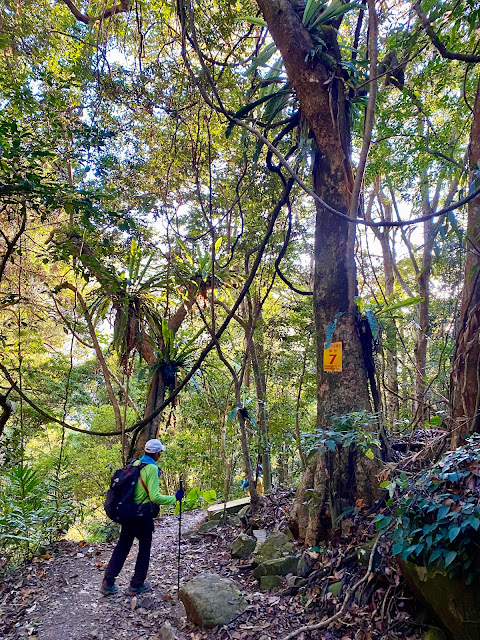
215	511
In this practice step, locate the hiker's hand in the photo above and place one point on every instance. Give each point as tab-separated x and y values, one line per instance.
180	494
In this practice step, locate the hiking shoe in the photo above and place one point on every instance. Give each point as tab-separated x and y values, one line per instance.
107	590
133	591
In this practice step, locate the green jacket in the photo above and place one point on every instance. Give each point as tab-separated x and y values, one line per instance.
149	475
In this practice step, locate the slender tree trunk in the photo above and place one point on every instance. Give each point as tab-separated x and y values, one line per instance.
255	498
156	396
465	378
423	309
297	411
256	351
227	465
392	406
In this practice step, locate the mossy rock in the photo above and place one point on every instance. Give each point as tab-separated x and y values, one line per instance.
335	588
207	526
277	545
454	603
434	634
270	582
211	600
277	566
243	546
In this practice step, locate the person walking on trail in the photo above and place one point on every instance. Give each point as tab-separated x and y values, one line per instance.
259	483
146	489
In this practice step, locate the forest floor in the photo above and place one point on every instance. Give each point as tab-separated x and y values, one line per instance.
56	596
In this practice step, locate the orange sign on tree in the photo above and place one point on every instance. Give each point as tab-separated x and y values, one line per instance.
332	357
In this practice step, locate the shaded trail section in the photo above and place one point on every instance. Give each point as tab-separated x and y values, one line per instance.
57	597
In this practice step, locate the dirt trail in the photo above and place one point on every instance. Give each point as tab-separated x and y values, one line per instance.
57	597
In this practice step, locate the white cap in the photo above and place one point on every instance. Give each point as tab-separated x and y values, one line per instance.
154	446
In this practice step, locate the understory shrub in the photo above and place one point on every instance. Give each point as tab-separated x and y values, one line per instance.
358	428
34	512
436	517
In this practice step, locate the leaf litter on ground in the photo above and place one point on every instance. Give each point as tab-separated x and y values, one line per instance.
57	597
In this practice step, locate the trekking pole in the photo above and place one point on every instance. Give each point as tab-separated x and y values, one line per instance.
179	537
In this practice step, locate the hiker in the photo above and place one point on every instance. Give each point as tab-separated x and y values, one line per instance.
259	482
245	485
146	489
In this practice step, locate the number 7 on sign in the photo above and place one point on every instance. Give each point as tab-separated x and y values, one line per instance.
332	357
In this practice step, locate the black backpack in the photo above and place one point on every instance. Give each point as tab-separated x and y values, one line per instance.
119	501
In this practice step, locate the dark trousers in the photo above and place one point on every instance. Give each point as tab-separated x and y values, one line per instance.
142	529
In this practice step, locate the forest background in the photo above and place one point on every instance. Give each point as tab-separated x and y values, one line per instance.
197	199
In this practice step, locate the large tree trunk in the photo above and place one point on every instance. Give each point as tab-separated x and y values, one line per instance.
465	379
333	483
321	94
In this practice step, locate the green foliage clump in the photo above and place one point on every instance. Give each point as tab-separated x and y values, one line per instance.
33	513
358	428
197	499
437	518
101	531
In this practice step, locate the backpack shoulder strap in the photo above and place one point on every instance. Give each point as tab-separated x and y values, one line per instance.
143	464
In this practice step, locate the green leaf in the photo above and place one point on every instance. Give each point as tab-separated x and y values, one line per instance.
442	512
243	111
311	8
251	418
263	57
474	522
334	10
372	321
435	555
453	533
400	305
185	250
450	557
252	20
232	414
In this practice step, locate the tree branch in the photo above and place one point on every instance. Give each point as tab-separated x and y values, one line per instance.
7	407
121	7
370	112
437	43
219	108
98	352
11	244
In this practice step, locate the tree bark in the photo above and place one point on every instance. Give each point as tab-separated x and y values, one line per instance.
392	406
256	350
465	378
320	90
321	94
423	310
